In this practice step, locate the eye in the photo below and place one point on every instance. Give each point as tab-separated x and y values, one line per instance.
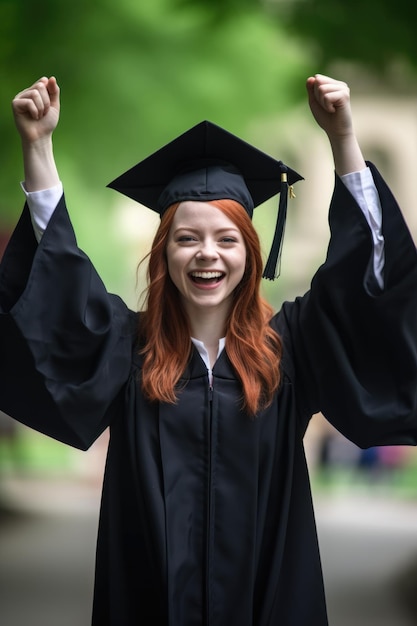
186	239
228	239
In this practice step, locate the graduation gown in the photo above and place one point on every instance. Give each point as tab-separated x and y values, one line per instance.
206	515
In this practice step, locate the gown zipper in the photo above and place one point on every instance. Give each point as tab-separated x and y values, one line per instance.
209	504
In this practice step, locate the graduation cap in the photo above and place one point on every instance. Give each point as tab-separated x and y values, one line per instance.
209	163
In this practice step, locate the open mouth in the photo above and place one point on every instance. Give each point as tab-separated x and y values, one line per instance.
206	278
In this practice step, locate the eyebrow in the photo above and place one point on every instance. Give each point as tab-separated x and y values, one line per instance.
227	229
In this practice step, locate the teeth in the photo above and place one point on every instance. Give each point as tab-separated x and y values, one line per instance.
207	275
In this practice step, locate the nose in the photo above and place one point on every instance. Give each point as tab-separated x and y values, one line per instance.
207	251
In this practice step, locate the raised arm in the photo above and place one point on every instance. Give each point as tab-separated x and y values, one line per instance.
36	113
329	101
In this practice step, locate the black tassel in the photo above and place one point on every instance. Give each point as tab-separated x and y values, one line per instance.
273	264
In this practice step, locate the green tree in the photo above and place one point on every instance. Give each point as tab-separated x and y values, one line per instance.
134	74
378	34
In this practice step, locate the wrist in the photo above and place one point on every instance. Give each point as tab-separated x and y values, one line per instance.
347	154
39	164
37	145
342	138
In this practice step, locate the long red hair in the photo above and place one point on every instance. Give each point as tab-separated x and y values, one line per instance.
253	347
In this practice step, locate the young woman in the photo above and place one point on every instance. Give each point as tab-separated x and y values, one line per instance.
206	516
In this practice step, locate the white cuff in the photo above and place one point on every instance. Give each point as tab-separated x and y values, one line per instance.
362	187
41	206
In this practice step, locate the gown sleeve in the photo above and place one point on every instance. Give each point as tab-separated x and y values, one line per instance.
65	342
351	344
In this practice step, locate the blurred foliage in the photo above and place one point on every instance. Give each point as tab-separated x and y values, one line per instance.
134	74
378	34
32	452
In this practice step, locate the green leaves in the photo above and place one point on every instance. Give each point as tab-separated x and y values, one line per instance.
134	74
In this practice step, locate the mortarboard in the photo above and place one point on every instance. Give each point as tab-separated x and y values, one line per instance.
209	163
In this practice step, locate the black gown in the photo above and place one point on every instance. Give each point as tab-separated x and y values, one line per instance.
206	515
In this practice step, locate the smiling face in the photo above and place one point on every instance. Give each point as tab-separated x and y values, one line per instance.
206	257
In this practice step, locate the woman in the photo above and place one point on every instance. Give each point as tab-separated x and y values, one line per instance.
206	515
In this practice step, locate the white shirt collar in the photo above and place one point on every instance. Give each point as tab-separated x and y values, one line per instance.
204	353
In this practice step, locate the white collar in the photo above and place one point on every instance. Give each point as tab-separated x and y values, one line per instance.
204	353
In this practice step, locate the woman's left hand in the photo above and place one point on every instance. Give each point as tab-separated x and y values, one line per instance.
329	101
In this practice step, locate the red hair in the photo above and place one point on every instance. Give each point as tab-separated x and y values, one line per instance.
253	347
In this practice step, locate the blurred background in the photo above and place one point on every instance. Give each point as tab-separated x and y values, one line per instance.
133	75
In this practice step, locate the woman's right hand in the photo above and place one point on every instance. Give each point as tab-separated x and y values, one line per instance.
36	110
36	113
